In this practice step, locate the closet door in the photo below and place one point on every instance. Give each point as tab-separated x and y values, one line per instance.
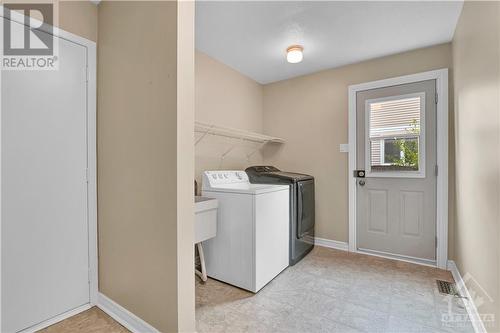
44	235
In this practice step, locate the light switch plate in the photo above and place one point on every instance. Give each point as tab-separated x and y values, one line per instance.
344	147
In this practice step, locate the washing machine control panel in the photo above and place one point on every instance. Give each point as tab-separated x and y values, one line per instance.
216	178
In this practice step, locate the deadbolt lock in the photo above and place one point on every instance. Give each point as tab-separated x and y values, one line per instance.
359	173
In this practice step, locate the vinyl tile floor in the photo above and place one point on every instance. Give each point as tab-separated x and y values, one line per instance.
335	291
94	320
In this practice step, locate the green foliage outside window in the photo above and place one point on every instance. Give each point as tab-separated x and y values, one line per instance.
409	148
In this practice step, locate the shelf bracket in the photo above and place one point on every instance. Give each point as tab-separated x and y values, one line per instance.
223	156
203	135
256	150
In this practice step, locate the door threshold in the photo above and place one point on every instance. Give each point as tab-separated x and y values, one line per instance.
387	255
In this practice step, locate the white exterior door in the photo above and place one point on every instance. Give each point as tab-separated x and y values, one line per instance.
396	152
44	235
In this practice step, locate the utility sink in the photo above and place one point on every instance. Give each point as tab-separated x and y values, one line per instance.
205	225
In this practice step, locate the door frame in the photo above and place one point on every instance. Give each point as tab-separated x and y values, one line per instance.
441	77
91	175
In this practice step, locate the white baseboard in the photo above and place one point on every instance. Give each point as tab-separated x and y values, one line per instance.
123	316
332	244
476	321
56	319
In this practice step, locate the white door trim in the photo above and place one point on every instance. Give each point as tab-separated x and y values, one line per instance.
91	164
441	77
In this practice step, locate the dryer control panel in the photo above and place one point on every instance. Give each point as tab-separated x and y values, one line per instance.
217	178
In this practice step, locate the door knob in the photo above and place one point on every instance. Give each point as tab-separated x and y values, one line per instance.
362	182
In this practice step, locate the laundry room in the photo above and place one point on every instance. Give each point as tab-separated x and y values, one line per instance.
250	166
272	109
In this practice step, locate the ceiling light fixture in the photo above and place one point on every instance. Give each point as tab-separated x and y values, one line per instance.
294	54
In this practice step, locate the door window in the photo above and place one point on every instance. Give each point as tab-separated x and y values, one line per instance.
395	144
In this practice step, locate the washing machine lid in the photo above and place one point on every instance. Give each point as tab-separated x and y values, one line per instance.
235	181
253	189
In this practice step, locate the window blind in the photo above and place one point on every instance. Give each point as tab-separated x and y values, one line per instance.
395	118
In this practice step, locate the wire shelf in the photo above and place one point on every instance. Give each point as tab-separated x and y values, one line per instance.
210	129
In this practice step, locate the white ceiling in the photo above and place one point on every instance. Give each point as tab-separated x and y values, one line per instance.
252	36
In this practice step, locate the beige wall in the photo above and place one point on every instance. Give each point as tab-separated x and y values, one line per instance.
225	97
76	16
79	17
311	113
476	58
140	201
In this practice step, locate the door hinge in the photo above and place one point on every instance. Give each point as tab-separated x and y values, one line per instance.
87	175
86	74
436	98
436	169
436	241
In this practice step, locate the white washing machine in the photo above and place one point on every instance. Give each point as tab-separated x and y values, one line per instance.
252	242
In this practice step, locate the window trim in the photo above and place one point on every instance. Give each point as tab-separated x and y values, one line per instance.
382	151
421	147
